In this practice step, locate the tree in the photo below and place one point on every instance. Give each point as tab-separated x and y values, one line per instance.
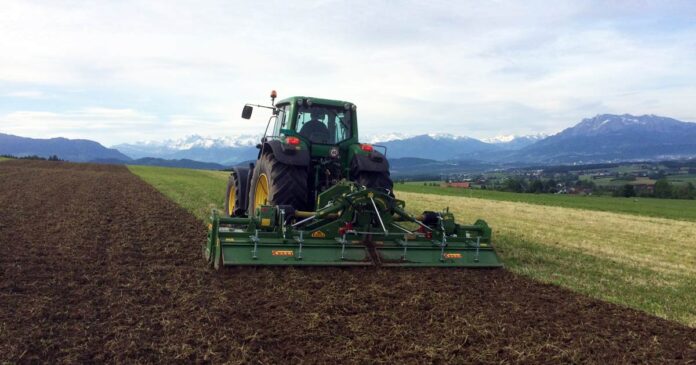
536	187
515	185
628	191
663	189
686	191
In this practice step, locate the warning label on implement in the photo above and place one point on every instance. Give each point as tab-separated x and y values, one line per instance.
282	253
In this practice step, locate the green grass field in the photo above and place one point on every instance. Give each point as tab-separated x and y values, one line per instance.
663	208
198	191
641	262
4	158
682	179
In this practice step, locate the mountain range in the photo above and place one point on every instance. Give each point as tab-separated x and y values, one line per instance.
233	150
81	150
611	138
224	150
78	150
602	138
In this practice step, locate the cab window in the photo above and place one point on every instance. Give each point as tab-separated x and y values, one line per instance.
281	120
324	125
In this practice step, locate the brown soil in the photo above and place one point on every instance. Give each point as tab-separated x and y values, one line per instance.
97	266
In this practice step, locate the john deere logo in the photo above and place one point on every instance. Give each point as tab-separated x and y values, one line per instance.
453	256
318	234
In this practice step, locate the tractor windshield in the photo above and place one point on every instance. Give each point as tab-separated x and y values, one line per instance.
323	124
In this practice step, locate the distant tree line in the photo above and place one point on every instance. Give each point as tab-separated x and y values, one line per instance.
570	168
662	189
33	157
539	186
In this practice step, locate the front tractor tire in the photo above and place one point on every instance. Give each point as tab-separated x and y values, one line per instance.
276	183
375	180
235	202
372	179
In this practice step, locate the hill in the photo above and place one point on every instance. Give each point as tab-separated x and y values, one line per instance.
436	147
76	150
150	161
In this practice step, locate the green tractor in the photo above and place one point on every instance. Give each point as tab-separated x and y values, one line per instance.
317	196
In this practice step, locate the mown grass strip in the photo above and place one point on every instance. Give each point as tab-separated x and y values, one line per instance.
664	208
666	295
641	262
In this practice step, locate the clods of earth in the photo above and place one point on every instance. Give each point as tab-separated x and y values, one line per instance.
98	266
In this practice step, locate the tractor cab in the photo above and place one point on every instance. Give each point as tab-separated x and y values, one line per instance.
317	121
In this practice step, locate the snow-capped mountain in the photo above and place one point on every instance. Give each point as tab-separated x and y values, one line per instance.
609	123
443	146
609	137
507	138
225	150
380	138
436	147
500	139
236	149
389	137
515	142
194	141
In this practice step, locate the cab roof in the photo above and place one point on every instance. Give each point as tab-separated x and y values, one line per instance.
328	102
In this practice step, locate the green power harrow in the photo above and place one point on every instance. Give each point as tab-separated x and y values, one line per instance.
355	226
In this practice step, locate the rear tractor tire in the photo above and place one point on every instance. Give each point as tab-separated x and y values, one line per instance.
276	183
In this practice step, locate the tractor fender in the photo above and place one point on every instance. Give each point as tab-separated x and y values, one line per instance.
374	161
288	156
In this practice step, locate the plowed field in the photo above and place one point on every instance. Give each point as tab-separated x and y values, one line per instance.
98	266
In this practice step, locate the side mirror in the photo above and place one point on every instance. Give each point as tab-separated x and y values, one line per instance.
246	112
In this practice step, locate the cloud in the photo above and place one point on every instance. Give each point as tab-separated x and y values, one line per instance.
29	94
473	68
111	124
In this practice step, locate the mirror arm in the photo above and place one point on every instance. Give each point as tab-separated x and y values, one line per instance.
262	106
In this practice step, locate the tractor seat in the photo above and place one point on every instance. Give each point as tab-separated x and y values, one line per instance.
315	131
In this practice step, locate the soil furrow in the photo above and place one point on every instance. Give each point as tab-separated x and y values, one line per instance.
97	266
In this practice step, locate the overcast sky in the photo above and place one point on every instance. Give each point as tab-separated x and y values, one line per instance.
125	71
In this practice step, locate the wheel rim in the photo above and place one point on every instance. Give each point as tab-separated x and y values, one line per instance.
231	198
261	191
